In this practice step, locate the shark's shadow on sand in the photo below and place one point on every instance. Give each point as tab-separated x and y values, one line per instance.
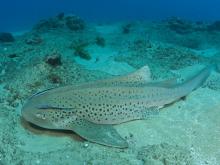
49	132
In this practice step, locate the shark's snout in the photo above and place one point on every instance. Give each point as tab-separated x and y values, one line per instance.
31	113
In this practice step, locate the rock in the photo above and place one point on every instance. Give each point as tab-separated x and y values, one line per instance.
53	59
6	37
75	23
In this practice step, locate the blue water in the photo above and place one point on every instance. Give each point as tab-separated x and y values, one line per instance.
19	15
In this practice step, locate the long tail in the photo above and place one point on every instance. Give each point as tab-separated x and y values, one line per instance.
198	80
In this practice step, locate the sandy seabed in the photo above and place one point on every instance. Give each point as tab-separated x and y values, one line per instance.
186	132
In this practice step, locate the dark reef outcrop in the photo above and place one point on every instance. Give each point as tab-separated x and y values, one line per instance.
6	37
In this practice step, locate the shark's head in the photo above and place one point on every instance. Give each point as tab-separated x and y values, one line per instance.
33	113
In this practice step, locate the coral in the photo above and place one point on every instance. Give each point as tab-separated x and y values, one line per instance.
165	154
54	59
75	23
6	37
79	49
100	41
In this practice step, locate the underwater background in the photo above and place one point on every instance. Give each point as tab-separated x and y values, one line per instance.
52	43
20	15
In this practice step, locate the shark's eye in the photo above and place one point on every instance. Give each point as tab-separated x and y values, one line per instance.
40	116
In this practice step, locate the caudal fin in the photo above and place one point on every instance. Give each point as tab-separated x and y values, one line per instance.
199	79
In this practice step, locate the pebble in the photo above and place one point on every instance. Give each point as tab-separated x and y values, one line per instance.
86	145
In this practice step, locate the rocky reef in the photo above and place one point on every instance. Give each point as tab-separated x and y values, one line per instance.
60	22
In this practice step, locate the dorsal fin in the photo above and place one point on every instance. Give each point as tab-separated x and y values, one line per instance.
143	75
136	78
140	76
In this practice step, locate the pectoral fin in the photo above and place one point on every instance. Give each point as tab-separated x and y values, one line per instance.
98	133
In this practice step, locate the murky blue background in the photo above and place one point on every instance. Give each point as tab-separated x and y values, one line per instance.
22	14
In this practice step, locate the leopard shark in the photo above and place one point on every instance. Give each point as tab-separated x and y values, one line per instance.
92	109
